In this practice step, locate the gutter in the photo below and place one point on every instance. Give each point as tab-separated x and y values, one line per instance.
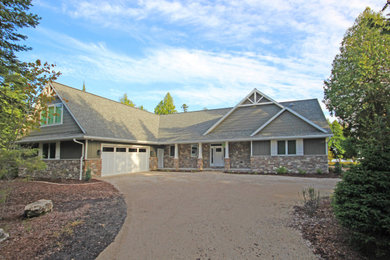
81	158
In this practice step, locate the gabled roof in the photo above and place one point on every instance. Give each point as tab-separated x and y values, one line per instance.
256	117
101	117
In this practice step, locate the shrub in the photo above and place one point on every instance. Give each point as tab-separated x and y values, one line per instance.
302	171
11	160
362	204
337	168
281	170
311	198
319	171
88	175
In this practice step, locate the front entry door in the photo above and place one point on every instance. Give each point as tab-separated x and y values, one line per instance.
216	154
160	158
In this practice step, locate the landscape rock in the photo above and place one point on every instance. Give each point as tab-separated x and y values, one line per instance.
3	235
38	208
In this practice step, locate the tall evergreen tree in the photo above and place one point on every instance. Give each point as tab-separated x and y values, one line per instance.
125	100
166	106
84	86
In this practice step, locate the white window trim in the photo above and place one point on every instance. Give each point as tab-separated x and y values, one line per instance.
286	147
196	154
57	152
55	111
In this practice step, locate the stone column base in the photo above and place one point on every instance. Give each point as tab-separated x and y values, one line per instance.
176	163
227	164
200	164
153	163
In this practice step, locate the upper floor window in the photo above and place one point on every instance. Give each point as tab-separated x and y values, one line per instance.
287	147
53	115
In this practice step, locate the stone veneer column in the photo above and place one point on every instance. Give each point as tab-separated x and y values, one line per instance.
200	157
176	158
227	159
153	163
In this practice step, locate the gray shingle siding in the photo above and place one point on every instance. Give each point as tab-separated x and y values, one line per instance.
68	126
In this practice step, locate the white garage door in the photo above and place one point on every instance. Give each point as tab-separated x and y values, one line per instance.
124	159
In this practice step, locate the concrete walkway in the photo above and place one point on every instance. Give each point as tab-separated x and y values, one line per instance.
210	215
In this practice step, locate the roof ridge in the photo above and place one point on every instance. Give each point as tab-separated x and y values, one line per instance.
212	109
85	92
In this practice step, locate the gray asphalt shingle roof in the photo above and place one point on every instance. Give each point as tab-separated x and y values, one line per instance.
104	118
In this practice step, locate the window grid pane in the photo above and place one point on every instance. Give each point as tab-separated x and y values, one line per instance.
292	147
52	151
51	116
58	114
281	147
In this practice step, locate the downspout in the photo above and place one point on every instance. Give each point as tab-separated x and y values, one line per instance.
81	158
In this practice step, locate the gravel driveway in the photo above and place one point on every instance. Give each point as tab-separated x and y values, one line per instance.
210	215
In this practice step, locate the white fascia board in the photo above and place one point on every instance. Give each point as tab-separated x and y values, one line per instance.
66	106
111	139
56	138
247	139
268	122
306	120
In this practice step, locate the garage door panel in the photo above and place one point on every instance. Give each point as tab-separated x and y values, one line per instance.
117	160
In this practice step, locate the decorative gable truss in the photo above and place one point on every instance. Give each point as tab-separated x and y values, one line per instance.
257	98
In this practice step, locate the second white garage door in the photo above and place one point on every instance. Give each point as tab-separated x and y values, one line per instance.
124	159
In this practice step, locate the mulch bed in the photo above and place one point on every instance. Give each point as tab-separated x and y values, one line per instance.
85	219
326	237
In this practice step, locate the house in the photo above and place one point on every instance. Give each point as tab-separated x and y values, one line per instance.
85	131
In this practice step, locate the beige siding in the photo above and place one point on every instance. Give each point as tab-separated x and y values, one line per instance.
314	146
92	150
288	124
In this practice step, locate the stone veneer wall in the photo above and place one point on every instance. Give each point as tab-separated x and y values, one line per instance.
168	160
240	155
308	163
153	163
95	165
185	159
56	169
206	155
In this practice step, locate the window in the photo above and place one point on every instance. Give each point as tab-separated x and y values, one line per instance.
108	149
172	150
289	146
194	150
52	116
132	150
120	150
142	150
49	151
261	148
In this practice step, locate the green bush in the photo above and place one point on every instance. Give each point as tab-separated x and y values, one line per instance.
11	160
281	170
88	175
338	168
303	172
319	171
362	205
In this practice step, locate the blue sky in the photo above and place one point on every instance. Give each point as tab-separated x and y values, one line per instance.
205	53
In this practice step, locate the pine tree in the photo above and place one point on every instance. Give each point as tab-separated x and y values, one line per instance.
166	106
